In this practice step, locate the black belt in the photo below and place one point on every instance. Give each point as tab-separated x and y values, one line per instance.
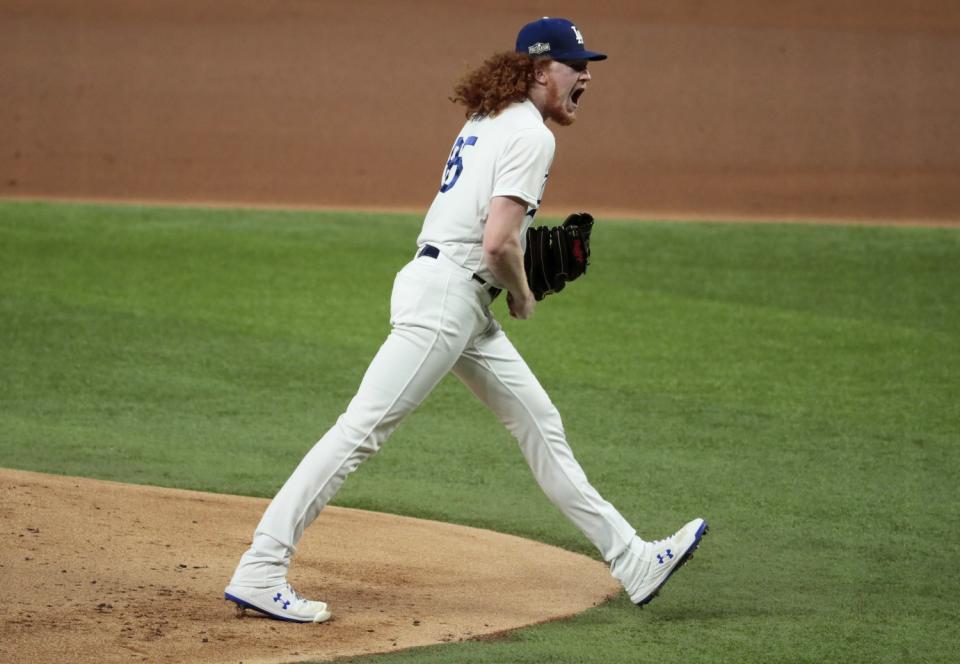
431	251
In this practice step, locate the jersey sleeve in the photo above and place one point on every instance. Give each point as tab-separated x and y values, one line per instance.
523	165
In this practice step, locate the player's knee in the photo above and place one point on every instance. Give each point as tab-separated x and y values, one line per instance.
362	440
542	421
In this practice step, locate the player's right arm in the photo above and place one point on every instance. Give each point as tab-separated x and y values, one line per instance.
503	252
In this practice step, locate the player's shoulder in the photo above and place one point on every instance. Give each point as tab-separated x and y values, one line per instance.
522	121
523	115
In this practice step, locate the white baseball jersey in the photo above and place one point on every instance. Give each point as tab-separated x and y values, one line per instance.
508	154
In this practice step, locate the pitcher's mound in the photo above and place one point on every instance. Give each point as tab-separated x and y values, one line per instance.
106	572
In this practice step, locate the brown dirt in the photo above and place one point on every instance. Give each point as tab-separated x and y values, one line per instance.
99	572
734	109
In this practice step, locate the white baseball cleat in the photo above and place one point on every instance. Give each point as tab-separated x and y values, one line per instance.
279	602
644	567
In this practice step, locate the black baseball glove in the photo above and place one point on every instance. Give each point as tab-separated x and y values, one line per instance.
557	255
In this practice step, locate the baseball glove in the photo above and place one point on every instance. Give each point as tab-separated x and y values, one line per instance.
555	256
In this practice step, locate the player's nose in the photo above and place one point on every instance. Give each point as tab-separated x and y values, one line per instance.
585	75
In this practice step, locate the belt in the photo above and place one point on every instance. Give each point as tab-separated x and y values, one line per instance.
431	251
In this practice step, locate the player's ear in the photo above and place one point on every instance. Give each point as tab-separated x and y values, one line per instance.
540	66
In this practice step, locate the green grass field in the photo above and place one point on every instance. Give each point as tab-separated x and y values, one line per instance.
797	385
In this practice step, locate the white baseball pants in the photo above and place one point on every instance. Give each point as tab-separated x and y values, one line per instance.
441	323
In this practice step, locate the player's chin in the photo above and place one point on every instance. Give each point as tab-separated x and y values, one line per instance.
564	116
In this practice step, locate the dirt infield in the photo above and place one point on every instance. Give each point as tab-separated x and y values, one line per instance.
98	572
734	109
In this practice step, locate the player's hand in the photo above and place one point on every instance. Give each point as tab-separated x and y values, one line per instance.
521	306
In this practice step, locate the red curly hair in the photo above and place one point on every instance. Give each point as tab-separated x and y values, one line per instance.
501	80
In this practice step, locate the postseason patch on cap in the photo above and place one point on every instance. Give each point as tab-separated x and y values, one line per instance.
538	48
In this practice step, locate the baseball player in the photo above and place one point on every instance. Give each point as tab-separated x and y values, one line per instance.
470	249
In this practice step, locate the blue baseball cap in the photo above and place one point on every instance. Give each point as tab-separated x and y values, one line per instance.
557	38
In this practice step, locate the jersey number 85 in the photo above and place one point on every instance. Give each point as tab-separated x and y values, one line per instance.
455	163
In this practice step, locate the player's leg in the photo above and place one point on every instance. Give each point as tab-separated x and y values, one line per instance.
434	314
493	369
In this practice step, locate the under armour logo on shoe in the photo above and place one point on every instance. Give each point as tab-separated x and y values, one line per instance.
283	603
669	554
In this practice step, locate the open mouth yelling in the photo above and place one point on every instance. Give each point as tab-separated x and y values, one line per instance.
575	96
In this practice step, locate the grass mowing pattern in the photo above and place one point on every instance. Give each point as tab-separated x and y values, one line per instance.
796	385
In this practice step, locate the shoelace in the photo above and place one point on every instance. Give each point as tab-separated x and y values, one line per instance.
295	594
667	541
